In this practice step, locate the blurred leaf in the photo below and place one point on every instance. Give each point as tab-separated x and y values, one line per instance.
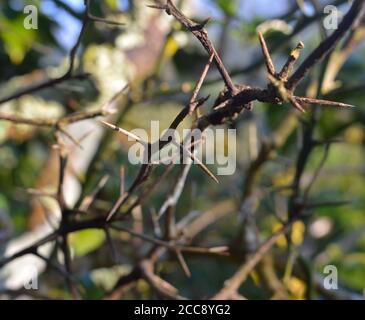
17	40
297	288
297	234
86	241
113	4
172	46
228	7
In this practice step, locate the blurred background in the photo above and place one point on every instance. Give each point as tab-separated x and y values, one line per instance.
162	62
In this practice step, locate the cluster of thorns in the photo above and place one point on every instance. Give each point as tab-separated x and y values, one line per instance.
234	99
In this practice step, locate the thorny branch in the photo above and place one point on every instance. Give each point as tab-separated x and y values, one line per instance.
232	101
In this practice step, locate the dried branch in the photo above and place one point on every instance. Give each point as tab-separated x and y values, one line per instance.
199	31
231	102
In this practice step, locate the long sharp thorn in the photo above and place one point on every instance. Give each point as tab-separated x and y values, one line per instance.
123	131
183	263
157	6
202	166
324	102
269	63
296	105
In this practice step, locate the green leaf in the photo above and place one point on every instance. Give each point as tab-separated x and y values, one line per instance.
86	241
17	40
113	4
